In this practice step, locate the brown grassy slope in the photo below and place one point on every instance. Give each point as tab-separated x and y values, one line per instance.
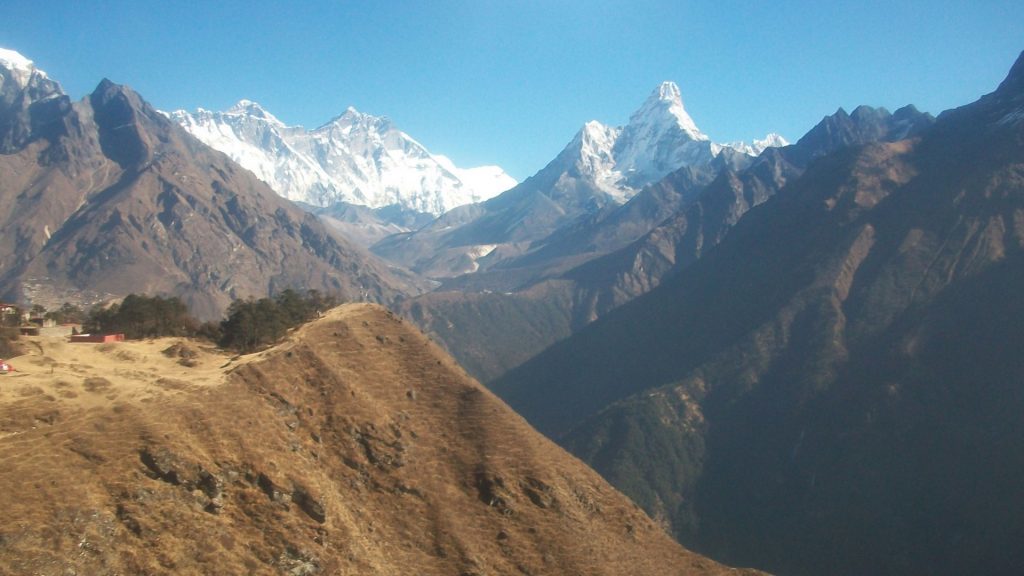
355	447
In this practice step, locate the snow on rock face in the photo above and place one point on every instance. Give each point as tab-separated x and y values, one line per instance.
660	138
596	143
664	111
1013	118
357	158
772	140
258	143
19	67
22	86
250	108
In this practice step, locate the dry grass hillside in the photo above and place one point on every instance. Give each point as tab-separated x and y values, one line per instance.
355	447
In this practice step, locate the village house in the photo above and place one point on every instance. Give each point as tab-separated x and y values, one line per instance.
9	314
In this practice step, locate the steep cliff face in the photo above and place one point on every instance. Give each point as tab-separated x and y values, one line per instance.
27	96
354	447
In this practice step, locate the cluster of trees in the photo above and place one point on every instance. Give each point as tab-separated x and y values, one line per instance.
143	317
252	324
67	314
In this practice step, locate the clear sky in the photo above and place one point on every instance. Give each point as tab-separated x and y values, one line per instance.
510	82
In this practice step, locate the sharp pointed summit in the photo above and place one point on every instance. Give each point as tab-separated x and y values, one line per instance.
855	339
665	105
669	90
660	137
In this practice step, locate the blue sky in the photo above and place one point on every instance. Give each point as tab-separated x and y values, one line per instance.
510	83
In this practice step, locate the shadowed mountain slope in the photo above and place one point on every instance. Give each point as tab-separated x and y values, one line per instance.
355	447
836	387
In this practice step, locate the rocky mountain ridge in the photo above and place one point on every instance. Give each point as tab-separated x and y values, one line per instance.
355	158
25	93
106	196
598	170
495	319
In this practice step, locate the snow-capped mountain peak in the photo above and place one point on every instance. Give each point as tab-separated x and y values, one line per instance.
669	91
380	128
253	110
352	118
593	149
22	86
355	157
596	139
19	67
659	138
664	108
772	140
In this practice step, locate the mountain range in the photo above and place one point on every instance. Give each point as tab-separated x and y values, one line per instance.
355	158
599	169
106	196
496	318
835	387
800	357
